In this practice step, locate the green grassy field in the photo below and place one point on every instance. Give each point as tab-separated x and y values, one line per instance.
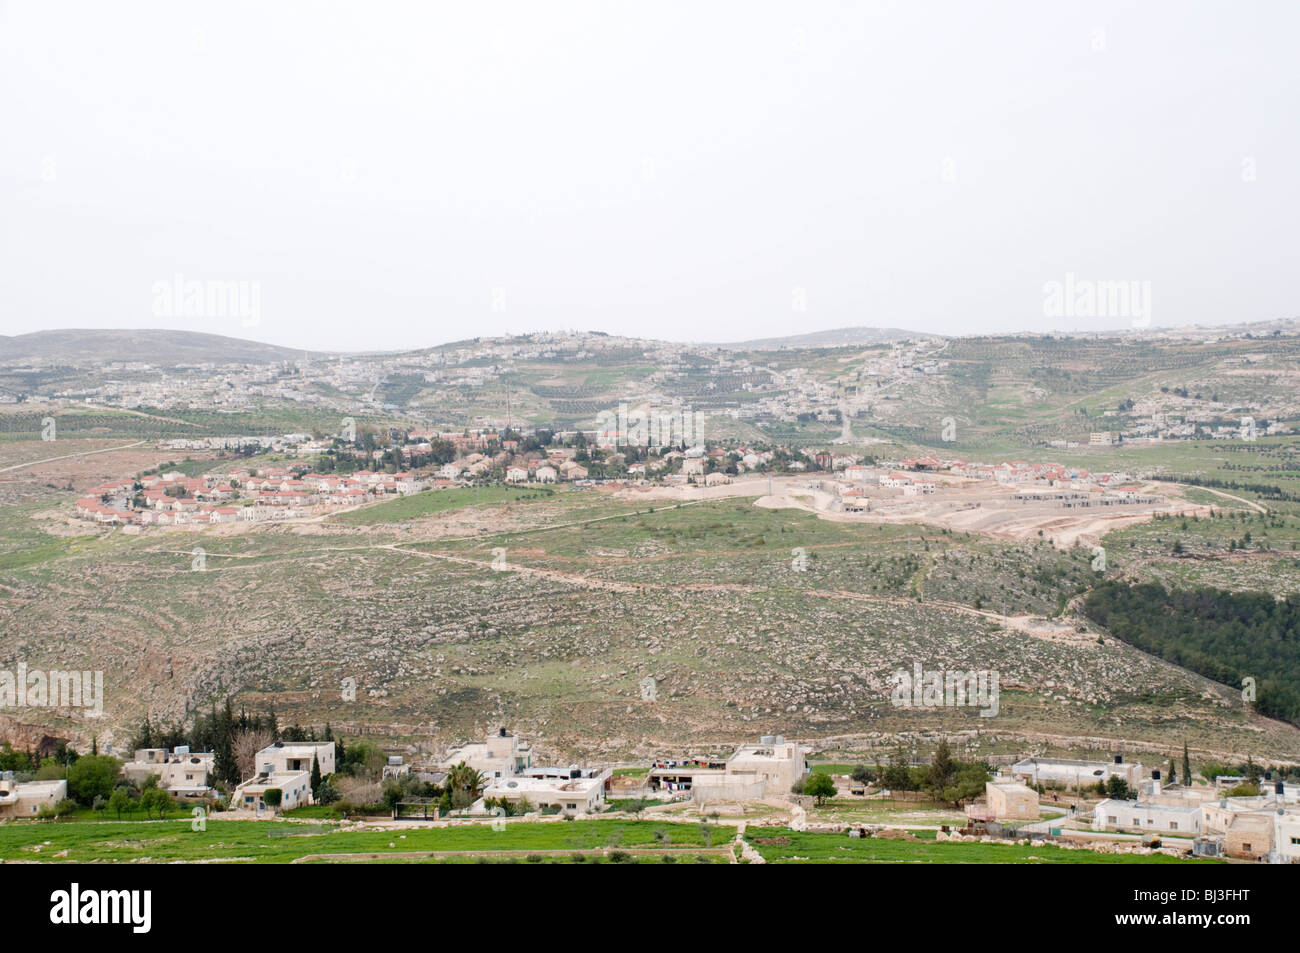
581	841
282	842
437	501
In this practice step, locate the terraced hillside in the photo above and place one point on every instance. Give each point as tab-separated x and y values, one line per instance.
547	611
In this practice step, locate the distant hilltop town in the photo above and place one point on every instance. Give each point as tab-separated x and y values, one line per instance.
1179	385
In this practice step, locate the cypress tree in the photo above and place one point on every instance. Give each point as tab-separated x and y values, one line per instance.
223	747
145	738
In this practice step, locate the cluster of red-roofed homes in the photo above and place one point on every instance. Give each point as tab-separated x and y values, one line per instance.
169	499
553	465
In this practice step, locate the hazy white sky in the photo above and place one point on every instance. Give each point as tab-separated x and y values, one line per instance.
398	175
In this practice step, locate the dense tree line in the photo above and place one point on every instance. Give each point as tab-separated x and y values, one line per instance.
945	778
1225	636
1266	491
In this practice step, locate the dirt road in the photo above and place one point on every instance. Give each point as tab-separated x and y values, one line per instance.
69	456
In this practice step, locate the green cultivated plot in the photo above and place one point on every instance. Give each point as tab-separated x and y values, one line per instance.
283	842
438	501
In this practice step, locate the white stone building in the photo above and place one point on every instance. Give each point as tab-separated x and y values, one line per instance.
1146	818
26	798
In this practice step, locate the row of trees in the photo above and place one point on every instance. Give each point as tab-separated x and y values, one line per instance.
1266	491
945	778
1226	636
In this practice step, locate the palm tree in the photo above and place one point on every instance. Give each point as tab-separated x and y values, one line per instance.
462	777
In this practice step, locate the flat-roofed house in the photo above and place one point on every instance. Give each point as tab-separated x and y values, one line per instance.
1011	800
1218	814
1071	772
676	776
580	792
26	798
1247	825
1112	814
181	773
775	761
500	756
770	767
290	756
1250	835
294	788
190	776
1286	837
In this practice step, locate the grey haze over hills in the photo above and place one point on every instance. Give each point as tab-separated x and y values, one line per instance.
148	345
834	337
171	347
